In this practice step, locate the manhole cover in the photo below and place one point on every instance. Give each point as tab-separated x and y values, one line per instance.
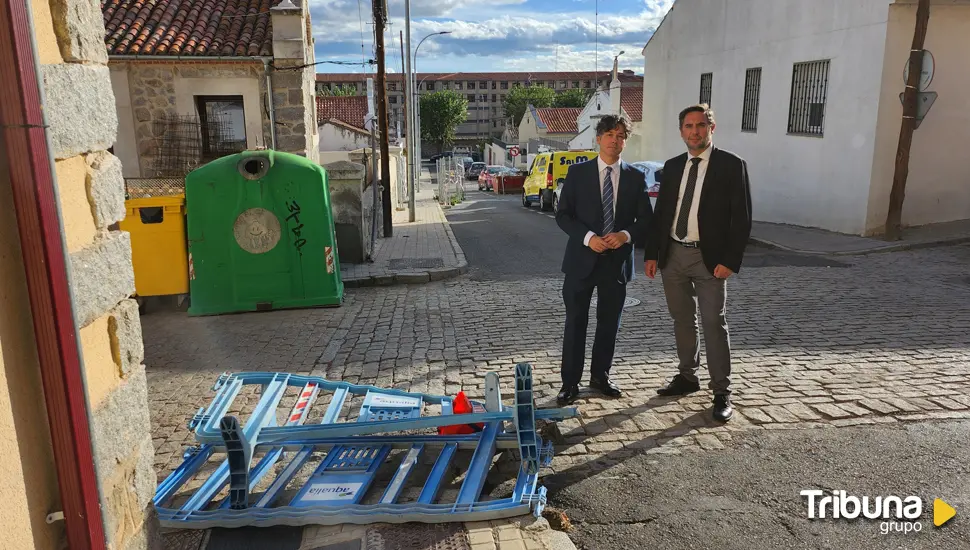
416	263
418	536
629	302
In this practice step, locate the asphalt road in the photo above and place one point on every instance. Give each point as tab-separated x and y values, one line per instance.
504	241
746	495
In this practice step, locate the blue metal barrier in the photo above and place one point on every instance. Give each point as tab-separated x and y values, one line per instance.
351	455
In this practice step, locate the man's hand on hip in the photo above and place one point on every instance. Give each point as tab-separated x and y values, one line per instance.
650	268
598	244
615	240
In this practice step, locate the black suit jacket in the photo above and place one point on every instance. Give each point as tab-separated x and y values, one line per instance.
723	215
581	210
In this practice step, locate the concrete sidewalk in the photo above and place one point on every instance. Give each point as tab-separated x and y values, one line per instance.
417	252
808	240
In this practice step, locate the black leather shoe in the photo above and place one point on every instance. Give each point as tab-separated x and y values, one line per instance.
606	386
722	408
567	395
679	386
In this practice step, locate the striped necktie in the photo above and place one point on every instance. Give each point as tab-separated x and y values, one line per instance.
608	202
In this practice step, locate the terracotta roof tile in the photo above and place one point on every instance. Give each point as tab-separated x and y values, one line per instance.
350	110
631	100
233	28
559	120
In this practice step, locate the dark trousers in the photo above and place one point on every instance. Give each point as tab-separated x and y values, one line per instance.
577	293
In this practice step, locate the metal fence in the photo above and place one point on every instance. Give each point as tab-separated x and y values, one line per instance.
451	180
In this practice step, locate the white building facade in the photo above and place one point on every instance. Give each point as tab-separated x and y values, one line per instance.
807	92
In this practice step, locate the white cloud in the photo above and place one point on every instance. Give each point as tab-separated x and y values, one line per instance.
514	38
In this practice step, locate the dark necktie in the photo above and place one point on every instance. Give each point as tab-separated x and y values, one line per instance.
684	215
608	202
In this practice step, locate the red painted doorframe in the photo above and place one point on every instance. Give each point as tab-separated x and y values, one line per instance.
45	264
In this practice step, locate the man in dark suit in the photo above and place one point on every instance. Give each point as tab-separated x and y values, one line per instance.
603	207
697	239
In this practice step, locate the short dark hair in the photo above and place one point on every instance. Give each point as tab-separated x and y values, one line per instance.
698	108
612	122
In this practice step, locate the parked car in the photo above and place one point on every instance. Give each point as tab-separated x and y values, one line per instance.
475	170
653	170
547	174
486	181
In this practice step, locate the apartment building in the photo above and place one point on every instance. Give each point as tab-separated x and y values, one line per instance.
485	93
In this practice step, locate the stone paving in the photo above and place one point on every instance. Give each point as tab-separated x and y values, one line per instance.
884	340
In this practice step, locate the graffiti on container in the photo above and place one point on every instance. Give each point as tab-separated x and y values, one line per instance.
294	208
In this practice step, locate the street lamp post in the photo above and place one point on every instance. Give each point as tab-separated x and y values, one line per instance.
416	102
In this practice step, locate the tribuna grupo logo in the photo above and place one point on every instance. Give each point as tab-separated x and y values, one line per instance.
899	514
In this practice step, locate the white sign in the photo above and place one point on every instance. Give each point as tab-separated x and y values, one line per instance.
381	400
926	76
332	491
514	151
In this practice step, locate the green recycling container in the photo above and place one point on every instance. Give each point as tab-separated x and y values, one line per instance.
260	235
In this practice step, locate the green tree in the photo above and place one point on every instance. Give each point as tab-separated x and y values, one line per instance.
519	98
574	97
441	113
341	90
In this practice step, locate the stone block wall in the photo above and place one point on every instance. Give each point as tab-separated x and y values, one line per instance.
296	113
352	210
83	123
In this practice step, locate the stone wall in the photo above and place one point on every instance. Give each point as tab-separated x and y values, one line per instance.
352	210
293	95
79	103
153	96
152	86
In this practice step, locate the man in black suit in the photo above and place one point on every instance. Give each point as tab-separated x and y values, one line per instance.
697	239
603	207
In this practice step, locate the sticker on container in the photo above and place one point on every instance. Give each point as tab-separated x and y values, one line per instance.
257	230
393	401
332	491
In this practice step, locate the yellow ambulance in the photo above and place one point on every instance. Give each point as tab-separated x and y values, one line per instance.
548	172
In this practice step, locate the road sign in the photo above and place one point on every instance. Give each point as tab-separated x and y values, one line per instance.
926	75
514	151
924	100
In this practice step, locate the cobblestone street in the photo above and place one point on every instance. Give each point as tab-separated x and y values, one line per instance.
884	340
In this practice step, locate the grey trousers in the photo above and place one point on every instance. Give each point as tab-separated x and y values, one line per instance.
687	283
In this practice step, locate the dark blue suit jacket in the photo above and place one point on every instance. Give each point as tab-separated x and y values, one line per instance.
580	211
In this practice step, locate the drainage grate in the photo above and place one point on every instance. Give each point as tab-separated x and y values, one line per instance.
416	263
417	536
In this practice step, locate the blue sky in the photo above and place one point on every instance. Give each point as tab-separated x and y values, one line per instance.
491	35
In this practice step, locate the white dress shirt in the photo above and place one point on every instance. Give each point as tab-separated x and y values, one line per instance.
615	179
693	235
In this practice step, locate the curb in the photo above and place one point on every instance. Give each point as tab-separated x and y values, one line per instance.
872	250
417	276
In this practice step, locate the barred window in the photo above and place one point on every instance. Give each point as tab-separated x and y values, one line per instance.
707	81
752	96
809	87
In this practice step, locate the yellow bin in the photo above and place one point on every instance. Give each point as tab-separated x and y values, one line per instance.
158	247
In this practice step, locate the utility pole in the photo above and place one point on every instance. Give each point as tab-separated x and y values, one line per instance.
910	96
412	139
380	19
407	112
